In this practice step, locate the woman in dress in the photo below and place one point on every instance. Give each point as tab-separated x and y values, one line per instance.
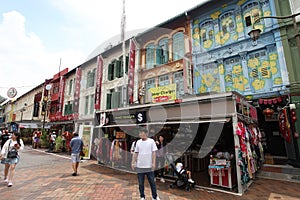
15	142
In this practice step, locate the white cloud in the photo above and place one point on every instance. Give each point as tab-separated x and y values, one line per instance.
24	60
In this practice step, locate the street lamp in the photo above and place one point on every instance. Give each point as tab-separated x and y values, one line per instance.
255	33
44	109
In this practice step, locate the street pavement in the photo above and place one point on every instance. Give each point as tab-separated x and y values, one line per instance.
42	175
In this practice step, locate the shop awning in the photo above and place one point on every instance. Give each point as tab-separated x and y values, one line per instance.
224	120
28	125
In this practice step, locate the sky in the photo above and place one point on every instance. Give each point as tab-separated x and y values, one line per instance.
39	37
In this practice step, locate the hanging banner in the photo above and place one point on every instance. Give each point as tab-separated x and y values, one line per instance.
98	82
77	91
61	94
86	134
131	71
284	125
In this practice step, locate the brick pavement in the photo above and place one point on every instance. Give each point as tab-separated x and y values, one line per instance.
53	180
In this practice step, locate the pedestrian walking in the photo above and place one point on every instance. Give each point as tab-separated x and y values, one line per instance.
76	145
4	137
144	163
9	159
160	157
52	141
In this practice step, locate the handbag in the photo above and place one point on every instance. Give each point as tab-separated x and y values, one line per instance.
82	153
13	153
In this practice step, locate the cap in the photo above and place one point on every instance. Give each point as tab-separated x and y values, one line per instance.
179	165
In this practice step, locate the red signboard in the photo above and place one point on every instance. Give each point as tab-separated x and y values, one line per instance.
131	71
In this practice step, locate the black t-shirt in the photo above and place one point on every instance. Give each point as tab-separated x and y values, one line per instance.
4	138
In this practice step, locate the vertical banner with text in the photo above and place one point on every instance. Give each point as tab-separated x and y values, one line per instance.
131	69
77	91
98	82
61	94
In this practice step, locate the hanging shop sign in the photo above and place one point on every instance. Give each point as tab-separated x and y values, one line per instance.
163	93
141	117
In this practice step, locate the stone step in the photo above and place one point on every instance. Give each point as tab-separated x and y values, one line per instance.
280	172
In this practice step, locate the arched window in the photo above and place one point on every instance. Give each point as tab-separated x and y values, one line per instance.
150	56
227	23
251	12
162	56
207	34
178	46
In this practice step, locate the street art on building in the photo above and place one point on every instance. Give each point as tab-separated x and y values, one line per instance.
226	59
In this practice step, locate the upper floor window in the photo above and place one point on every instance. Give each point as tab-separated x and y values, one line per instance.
162	51
116	70
69	108
163	80
91	78
178	46
150	56
251	13
70	86
227	23
207	34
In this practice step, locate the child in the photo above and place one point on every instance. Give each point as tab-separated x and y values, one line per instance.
180	169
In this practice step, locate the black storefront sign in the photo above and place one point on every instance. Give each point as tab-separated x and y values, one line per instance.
141	117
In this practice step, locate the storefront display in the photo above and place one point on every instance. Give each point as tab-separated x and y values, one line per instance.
214	136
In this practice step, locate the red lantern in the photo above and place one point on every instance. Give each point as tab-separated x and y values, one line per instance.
293	115
268	112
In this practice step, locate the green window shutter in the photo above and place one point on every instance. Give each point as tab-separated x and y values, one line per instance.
115	70
119	69
108	101
66	109
118	99
71	108
158	55
110	71
127	64
113	100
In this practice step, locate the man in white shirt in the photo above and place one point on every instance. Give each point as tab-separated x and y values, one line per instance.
144	162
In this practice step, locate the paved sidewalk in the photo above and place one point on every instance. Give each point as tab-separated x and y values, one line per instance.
42	175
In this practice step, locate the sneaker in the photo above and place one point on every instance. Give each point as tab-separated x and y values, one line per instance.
5	181
9	184
191	181
142	198
162	180
157	198
74	174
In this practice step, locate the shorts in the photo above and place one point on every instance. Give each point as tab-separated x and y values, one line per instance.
36	140
75	157
10	160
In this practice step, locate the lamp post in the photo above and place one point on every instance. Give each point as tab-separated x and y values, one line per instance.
255	33
123	21
44	110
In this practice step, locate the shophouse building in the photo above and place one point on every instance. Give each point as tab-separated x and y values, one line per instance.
225	58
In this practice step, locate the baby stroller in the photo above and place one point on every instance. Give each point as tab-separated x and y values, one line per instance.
182	179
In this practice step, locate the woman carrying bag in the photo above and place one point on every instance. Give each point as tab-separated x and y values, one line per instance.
10	157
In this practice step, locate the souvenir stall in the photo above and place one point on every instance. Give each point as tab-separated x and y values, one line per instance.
215	137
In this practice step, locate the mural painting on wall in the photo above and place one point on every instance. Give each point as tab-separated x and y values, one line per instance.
261	70
223	27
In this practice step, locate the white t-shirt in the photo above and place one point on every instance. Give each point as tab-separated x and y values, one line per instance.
144	148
